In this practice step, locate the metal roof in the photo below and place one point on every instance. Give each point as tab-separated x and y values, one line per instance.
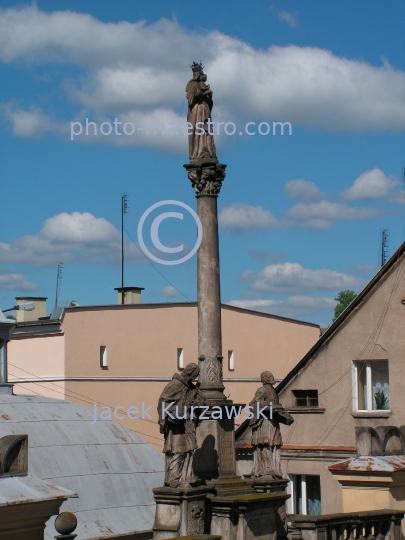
110	467
29	489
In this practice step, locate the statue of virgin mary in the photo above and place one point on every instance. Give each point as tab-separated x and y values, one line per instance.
199	97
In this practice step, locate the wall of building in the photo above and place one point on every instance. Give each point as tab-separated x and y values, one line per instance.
36	359
374	330
142	342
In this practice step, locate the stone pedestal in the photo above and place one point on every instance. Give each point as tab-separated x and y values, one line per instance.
179	512
267	485
238	512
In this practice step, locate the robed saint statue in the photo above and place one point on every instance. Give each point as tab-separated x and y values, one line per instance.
266	434
178	422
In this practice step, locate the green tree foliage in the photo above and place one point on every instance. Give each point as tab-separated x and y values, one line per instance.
344	298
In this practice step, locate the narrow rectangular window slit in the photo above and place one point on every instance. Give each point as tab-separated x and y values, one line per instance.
180	358
231	362
103	356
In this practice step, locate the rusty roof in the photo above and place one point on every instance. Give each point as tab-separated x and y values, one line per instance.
110	467
377	464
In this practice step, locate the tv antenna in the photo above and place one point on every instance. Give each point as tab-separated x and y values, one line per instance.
58	280
124	210
384	247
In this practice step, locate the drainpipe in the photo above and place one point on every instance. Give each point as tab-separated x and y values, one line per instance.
6	325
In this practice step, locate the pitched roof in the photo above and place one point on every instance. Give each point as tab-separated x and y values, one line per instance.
342	318
110	467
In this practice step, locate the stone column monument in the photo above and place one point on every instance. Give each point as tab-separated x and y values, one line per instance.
215	458
206	175
223	504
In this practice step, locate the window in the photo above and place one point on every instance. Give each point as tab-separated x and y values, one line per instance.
103	356
371	385
306	398
305	493
231	365
180	358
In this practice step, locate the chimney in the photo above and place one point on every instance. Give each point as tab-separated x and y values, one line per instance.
132	295
35	314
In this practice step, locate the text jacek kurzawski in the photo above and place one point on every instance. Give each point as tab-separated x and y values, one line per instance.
217	412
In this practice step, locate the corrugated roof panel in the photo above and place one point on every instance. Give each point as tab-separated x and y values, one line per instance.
111	468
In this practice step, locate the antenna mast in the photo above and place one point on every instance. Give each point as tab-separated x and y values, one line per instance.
124	210
58	280
384	247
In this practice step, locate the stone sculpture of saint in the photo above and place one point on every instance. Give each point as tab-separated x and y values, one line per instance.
179	426
199	97
266	434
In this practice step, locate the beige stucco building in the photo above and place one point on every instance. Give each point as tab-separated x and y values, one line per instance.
123	355
338	386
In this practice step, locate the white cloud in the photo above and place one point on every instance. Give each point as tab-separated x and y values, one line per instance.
324	214
67	238
155	126
15	281
30	124
135	68
302	190
289	278
290	18
373	184
169	292
293	307
240	217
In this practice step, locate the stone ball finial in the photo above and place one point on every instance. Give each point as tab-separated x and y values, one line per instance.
66	523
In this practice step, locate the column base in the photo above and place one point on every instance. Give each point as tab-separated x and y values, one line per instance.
214	394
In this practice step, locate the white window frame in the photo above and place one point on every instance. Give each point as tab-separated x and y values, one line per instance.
292	488
231	361
103	357
180	358
355	387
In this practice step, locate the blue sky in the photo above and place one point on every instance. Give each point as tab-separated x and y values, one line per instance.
300	215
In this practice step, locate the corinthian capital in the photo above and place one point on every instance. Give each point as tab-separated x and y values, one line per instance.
206	176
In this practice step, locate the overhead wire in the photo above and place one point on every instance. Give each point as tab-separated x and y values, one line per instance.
137	432
86	400
89	400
